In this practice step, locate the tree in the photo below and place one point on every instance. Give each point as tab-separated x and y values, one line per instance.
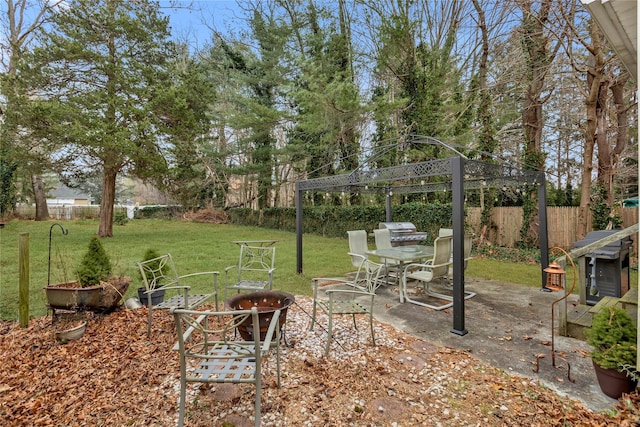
100	71
17	148
603	74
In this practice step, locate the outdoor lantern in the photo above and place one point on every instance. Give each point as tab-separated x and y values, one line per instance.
554	277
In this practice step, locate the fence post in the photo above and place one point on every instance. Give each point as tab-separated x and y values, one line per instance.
23	285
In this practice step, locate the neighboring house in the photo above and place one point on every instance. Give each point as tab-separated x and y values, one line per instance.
63	195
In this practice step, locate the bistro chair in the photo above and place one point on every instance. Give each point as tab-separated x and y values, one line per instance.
357	299
254	271
159	275
211	351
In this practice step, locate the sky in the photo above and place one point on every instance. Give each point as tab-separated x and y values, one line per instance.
194	20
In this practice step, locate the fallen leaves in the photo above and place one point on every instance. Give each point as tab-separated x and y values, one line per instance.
115	376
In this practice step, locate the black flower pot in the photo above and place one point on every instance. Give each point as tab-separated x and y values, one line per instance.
157	296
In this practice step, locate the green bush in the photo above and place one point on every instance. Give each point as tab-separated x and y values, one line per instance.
95	265
613	338
120	217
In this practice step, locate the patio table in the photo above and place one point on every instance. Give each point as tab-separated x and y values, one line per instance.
404	255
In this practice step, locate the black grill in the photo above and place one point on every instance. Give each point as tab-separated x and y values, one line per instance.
403	233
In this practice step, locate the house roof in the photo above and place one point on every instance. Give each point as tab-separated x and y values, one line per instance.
618	20
61	191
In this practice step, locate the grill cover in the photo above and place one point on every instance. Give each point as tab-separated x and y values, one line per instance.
612	251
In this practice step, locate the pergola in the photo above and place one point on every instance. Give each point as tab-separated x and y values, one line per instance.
453	175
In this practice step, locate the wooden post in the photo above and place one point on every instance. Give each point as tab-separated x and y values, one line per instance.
23	284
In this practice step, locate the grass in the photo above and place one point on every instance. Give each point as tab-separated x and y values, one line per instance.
195	247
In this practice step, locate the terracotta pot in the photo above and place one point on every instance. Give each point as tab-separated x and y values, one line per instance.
614	383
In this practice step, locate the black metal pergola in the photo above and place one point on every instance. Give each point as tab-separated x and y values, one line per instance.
455	175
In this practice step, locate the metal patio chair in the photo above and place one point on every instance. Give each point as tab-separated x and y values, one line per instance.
212	352
159	274
254	271
382	238
435	269
358	299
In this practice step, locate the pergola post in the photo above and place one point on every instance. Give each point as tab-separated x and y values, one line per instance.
542	228
298	196
457	194
387	208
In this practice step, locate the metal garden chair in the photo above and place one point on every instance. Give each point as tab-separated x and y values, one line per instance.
358	299
212	352
159	274
254	271
382	238
434	269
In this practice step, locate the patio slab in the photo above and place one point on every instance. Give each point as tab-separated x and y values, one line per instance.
508	327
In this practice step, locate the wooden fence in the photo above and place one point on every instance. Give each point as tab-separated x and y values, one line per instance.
562	224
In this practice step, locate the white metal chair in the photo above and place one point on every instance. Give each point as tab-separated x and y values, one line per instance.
358	299
254	271
211	351
159	274
382	237
358	246
434	269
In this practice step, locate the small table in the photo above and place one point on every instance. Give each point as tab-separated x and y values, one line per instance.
404	255
255	242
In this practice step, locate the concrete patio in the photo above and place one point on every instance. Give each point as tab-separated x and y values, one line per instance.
508	326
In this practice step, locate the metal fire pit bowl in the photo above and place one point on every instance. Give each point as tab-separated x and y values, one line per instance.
267	303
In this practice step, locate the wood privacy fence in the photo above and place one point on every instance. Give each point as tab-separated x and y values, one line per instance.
562	224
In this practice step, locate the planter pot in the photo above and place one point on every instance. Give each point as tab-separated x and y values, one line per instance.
613	383
70	296
157	296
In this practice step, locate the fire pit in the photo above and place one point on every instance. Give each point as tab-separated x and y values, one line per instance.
267	303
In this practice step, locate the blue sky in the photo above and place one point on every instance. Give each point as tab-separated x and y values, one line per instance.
194	20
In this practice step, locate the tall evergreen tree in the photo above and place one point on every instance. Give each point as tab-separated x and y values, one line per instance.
99	69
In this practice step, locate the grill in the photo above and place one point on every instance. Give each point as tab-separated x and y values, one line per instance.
613	250
607	268
403	233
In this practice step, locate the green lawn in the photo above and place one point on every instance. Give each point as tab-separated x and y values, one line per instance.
195	247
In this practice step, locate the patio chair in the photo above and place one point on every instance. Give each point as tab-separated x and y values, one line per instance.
254	271
436	268
382	238
358	246
468	243
358	299
211	351
160	275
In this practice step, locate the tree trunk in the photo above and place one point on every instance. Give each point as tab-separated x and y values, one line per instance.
42	210
622	135
595	77
106	202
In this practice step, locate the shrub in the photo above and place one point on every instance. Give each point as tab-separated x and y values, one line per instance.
95	265
613	338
